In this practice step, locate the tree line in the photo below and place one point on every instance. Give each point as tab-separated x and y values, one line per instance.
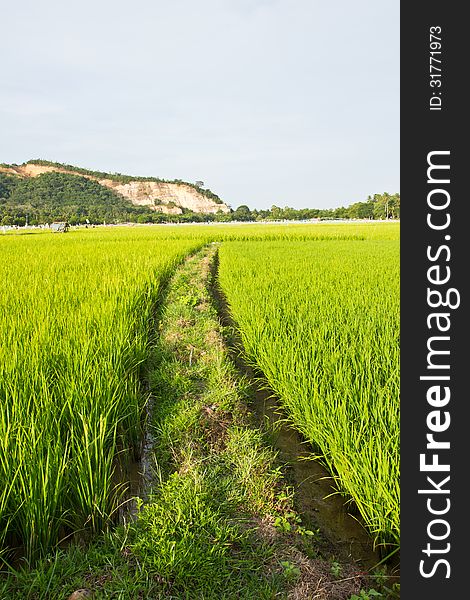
78	200
62	197
378	206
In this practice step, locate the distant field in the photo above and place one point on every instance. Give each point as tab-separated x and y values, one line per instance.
317	306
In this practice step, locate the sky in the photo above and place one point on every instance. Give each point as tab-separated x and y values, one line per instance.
286	102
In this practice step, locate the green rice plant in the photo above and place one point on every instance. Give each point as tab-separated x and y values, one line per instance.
321	321
76	312
76	319
291	231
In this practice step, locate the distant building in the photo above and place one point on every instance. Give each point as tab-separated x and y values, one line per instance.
61	227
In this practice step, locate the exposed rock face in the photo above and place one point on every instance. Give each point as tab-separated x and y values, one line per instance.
29	170
168	198
156	195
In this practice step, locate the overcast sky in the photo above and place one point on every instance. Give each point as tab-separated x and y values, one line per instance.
286	102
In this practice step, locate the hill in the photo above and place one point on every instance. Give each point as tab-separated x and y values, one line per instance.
46	190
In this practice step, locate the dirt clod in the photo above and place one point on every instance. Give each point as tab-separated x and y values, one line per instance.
81	594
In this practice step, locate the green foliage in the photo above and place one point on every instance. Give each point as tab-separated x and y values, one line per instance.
61	196
287	522
291	571
7	185
75	314
366	595
321	321
242	213
381	206
336	568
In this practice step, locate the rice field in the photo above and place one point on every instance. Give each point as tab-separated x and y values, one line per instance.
321	321
74	325
317	307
